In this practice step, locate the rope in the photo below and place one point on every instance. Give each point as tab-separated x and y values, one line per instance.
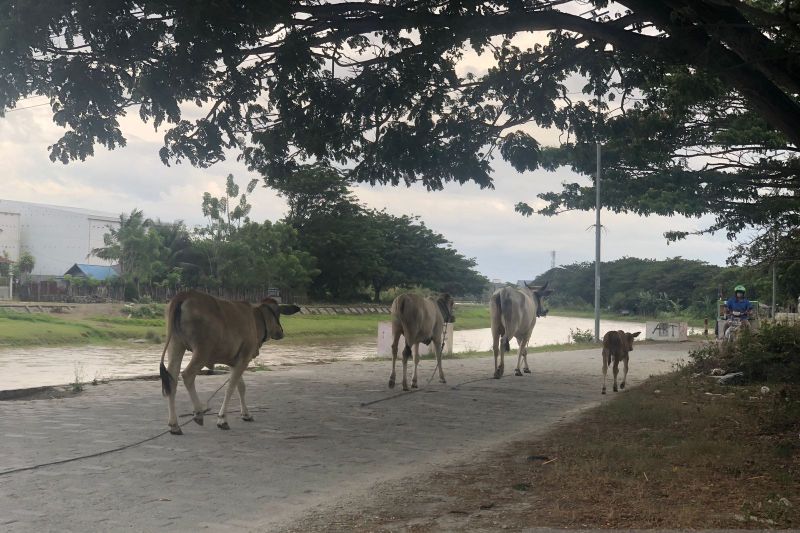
407	393
106	452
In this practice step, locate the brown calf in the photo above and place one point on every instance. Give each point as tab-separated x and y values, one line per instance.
617	345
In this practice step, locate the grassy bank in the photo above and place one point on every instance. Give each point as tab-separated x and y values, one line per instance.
40	329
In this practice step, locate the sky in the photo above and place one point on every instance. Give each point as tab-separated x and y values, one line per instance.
480	223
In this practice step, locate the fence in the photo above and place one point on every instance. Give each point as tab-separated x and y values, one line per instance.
61	291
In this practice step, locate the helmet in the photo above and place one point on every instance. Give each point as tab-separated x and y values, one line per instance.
739	288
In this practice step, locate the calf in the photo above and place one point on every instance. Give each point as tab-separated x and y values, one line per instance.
617	345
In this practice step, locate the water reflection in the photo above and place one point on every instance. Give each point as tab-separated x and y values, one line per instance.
37	366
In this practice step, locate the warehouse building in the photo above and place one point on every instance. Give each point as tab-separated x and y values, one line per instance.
57	237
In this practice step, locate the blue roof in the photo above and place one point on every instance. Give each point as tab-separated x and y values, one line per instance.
98	272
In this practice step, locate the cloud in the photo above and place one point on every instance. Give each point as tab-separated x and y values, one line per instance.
480	223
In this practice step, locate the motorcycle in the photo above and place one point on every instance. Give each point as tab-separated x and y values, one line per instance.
733	323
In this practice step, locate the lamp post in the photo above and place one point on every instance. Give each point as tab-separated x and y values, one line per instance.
597	249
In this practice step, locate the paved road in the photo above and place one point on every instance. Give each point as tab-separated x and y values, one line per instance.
312	441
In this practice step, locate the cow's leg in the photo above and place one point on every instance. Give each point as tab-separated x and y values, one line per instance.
624	371
175	353
616	371
236	375
606	360
406	357
242	388
525	367
395	342
416	364
522	353
189	374
438	351
498	371
495	350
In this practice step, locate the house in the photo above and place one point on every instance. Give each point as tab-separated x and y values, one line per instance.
56	236
98	272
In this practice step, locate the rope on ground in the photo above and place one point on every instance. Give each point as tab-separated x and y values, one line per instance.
406	393
104	452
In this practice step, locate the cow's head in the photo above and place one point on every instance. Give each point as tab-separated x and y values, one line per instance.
271	311
539	293
446	303
629	339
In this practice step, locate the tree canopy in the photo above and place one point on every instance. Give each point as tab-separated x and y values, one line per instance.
649	286
698	97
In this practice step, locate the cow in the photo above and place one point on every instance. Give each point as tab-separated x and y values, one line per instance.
419	320
216	331
513	312
616	346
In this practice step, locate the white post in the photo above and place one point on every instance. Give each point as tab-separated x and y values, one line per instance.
10	286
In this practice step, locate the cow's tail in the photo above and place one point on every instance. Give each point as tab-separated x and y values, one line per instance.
173	321
507	315
402	312
497	303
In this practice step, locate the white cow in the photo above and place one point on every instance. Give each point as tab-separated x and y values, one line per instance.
419	320
513	312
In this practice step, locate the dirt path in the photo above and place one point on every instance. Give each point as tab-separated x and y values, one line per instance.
313	443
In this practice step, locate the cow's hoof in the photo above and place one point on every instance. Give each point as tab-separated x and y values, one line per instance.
517	372
622	386
413	385
198	419
247	418
176	430
527	370
442	380
603	392
405	388
615	389
223	425
498	374
391	383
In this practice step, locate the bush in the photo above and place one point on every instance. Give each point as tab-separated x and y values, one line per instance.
770	354
581	336
145	311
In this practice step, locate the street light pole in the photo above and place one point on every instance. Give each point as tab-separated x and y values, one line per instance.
597	250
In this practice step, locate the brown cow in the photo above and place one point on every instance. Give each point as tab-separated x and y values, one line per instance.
216	331
617	345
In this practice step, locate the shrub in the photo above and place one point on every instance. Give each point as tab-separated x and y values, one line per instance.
581	336
770	354
146	311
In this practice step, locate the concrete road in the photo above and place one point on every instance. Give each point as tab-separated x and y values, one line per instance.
313	440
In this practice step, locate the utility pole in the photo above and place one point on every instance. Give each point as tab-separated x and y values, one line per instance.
552	259
597	247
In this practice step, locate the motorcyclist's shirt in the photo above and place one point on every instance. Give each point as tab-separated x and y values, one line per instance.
741	306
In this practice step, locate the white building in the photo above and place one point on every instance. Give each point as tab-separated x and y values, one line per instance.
57	237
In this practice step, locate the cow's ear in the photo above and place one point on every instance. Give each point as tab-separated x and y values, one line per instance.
288	309
635	334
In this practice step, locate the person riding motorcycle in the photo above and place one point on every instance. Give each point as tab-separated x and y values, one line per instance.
738	308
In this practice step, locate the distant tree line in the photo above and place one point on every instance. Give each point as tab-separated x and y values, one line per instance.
648	287
328	247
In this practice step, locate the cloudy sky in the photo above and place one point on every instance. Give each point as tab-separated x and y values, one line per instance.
480	223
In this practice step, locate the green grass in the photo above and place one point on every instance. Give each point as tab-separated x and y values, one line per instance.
38	329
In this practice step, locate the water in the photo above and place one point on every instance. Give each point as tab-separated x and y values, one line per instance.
38	366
